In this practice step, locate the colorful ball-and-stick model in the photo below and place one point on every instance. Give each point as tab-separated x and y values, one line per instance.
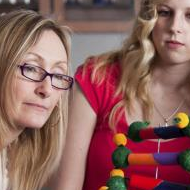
118	182
148	183
139	131
122	157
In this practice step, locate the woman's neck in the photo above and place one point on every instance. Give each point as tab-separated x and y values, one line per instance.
171	76
169	90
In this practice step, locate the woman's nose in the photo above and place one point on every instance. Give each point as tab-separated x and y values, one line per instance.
176	24
44	88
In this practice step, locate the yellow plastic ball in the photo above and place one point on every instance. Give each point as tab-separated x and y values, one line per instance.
120	139
103	188
117	172
183	120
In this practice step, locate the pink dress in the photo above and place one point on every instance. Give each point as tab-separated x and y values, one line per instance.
99	164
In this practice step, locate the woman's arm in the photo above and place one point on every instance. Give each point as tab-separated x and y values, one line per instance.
82	120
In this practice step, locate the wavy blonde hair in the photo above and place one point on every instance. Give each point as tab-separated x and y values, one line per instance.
135	57
36	153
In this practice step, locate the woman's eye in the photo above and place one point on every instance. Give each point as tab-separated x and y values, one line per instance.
164	13
30	69
188	15
58	76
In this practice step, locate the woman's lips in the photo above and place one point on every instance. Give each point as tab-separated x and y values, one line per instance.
36	106
174	44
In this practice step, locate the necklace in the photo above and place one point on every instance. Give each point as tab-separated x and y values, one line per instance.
167	119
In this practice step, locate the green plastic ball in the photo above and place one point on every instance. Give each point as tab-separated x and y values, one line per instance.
184	160
116	183
134	130
119	157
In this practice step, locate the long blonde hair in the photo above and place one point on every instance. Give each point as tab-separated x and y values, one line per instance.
36	153
135	57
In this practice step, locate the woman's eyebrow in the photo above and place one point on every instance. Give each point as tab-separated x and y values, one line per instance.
36	55
39	57
161	5
164	6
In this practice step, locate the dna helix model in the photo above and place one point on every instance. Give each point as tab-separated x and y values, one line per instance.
122	157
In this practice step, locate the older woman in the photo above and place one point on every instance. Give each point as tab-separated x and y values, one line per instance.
34	83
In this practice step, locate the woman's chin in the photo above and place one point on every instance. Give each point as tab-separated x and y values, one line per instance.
31	125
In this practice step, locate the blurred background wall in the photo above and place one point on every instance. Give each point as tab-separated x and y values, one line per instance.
84	45
98	25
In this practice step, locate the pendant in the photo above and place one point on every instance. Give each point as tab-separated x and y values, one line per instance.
165	122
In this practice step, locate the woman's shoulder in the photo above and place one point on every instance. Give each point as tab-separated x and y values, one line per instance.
93	67
98	85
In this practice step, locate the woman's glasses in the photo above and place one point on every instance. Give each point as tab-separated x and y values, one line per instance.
38	74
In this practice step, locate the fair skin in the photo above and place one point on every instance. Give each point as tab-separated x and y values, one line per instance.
169	84
35	101
171	38
170	75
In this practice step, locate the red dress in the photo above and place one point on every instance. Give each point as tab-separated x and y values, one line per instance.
101	98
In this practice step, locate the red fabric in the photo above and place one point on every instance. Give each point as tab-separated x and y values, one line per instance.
101	98
145	183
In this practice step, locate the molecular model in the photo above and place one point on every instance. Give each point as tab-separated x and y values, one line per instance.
122	157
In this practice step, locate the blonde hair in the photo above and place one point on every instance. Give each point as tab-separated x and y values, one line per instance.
135	57
36	153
